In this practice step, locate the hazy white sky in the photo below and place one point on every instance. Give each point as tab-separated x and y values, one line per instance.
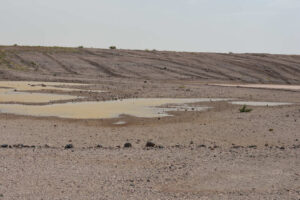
271	26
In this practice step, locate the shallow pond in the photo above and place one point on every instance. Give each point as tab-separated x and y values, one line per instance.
265	86
20	91
256	103
146	108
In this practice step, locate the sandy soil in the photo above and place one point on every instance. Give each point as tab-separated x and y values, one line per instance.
217	154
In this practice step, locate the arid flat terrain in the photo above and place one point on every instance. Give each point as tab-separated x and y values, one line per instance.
215	153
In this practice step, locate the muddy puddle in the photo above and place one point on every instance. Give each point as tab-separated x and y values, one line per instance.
26	91
255	103
27	97
264	86
146	108
38	86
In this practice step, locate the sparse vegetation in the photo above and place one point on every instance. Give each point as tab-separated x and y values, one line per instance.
113	47
80	47
245	109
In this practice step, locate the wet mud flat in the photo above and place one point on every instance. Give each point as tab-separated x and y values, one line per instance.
180	141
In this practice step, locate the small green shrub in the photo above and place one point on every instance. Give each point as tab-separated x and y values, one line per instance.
113	47
80	47
245	109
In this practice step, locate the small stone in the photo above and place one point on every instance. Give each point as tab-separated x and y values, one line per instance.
127	145
4	145
18	145
282	148
69	146
150	144
99	146
201	145
252	146
236	146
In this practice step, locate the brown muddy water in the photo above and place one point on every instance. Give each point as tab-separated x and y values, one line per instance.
256	103
146	108
26	91
27	97
264	86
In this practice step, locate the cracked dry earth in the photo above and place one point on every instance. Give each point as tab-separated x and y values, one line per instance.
217	153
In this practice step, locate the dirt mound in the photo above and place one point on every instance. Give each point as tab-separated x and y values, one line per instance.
83	64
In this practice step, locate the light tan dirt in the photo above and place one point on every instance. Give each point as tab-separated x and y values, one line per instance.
217	154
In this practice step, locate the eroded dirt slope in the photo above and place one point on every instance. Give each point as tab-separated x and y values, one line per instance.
83	64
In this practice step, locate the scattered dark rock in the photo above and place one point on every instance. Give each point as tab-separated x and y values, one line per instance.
236	146
18	145
271	129
202	146
127	145
4	145
296	146
160	146
150	144
46	146
69	146
252	146
99	146
282	148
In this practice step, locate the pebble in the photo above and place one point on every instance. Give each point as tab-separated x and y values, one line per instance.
69	146
127	145
150	144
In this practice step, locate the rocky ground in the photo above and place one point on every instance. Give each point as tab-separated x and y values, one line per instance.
217	154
